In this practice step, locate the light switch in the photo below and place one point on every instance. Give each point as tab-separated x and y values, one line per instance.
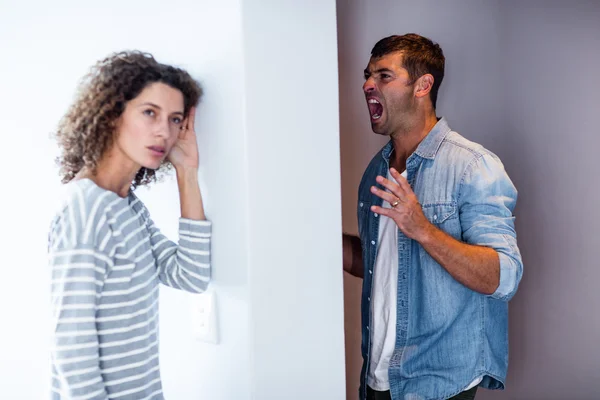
204	317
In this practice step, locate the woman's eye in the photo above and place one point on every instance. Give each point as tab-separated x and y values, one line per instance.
176	120
149	112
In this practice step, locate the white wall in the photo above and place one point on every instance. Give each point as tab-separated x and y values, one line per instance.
46	48
522	79
294	194
266	334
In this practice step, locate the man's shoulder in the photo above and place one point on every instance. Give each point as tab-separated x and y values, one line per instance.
458	150
464	158
454	141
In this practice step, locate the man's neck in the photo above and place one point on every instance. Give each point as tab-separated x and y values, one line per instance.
406	142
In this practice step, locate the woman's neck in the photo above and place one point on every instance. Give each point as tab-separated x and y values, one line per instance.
115	172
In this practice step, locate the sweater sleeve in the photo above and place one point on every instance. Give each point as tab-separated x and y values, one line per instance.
78	264
186	265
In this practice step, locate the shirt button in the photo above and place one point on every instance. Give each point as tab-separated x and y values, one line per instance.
370	271
373	242
361	204
369	298
367	327
376	215
435	217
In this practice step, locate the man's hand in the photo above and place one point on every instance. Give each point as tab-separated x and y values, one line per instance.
476	267
352	255
406	210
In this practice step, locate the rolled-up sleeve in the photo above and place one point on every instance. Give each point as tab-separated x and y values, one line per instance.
487	198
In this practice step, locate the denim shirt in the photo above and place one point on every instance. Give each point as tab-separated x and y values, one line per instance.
446	334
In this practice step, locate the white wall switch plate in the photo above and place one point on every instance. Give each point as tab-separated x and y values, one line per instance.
204	317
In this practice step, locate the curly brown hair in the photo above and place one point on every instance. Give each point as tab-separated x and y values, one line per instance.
87	129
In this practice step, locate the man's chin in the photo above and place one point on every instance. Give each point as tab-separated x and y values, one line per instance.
378	128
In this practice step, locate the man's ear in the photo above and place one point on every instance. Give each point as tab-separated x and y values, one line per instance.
424	85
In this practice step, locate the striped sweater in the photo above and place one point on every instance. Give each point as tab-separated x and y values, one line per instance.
107	259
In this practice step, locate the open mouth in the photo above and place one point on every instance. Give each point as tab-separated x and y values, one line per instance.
375	109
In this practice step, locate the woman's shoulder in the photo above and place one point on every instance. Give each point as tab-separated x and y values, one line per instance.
86	197
84	209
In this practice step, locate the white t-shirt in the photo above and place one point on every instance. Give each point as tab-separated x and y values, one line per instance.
384	297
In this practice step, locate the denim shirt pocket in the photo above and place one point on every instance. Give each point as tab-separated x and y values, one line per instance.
444	216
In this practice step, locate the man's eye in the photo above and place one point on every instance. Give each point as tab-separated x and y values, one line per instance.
385	76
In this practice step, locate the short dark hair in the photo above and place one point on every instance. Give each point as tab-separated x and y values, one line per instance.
420	56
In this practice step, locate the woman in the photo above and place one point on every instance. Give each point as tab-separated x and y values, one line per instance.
132	116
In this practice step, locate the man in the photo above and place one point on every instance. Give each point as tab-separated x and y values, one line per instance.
437	247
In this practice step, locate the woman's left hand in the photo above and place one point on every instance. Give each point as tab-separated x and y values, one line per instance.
184	153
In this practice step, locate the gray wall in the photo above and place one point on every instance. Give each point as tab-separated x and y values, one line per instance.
551	60
519	80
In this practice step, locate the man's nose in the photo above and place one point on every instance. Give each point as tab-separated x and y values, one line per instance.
369	85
